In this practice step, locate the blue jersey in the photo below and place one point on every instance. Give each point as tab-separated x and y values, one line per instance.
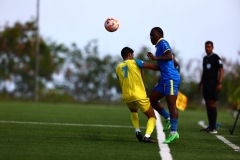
167	68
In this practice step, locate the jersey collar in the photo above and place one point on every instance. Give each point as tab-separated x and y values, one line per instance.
158	41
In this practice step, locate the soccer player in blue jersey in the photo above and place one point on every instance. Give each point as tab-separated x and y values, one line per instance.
169	82
130	76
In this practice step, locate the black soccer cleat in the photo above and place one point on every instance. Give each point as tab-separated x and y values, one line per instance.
205	129
139	136
148	140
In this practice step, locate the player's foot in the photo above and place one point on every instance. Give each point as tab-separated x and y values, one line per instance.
167	126
205	129
139	136
213	131
171	137
148	140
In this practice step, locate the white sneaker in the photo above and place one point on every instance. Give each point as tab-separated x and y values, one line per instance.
213	131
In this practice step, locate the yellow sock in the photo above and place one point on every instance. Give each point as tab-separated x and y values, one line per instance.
135	120
150	125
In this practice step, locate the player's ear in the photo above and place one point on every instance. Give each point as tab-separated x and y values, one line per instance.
130	54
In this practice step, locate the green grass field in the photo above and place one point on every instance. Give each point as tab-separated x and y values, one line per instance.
54	138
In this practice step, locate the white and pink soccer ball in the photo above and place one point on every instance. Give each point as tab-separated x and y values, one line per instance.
111	24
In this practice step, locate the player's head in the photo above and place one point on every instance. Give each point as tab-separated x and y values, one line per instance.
209	47
127	53
155	34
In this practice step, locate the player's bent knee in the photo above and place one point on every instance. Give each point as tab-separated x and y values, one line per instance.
150	113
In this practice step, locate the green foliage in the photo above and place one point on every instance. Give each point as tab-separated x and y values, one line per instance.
86	75
190	90
89	77
18	57
232	81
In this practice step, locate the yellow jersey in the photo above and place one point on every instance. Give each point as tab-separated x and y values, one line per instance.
131	82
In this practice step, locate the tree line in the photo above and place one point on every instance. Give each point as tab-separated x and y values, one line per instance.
71	73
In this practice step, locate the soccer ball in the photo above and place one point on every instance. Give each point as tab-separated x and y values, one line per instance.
111	24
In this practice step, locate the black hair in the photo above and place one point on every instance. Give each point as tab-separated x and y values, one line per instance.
125	51
209	42
159	30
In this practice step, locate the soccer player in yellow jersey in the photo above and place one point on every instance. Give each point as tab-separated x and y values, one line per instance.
130	74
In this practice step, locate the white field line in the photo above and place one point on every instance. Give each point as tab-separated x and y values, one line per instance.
224	140
227	142
202	124
67	124
164	150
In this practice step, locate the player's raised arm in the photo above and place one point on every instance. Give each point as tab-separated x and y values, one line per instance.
167	56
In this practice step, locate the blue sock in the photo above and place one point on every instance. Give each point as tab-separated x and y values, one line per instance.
163	113
174	124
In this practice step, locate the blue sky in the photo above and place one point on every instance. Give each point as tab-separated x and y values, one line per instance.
187	24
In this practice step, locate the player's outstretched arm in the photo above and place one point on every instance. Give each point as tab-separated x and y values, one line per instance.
151	66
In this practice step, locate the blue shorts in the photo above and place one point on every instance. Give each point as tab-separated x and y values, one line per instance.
167	87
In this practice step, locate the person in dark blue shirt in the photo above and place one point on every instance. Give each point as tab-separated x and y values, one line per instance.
168	83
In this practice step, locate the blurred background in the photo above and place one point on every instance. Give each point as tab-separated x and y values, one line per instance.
59	51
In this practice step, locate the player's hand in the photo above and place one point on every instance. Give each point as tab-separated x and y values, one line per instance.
150	56
219	87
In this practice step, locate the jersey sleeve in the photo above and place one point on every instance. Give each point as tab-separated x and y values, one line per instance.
165	46
220	64
139	63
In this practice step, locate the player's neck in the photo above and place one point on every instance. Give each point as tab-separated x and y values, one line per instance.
209	54
127	59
